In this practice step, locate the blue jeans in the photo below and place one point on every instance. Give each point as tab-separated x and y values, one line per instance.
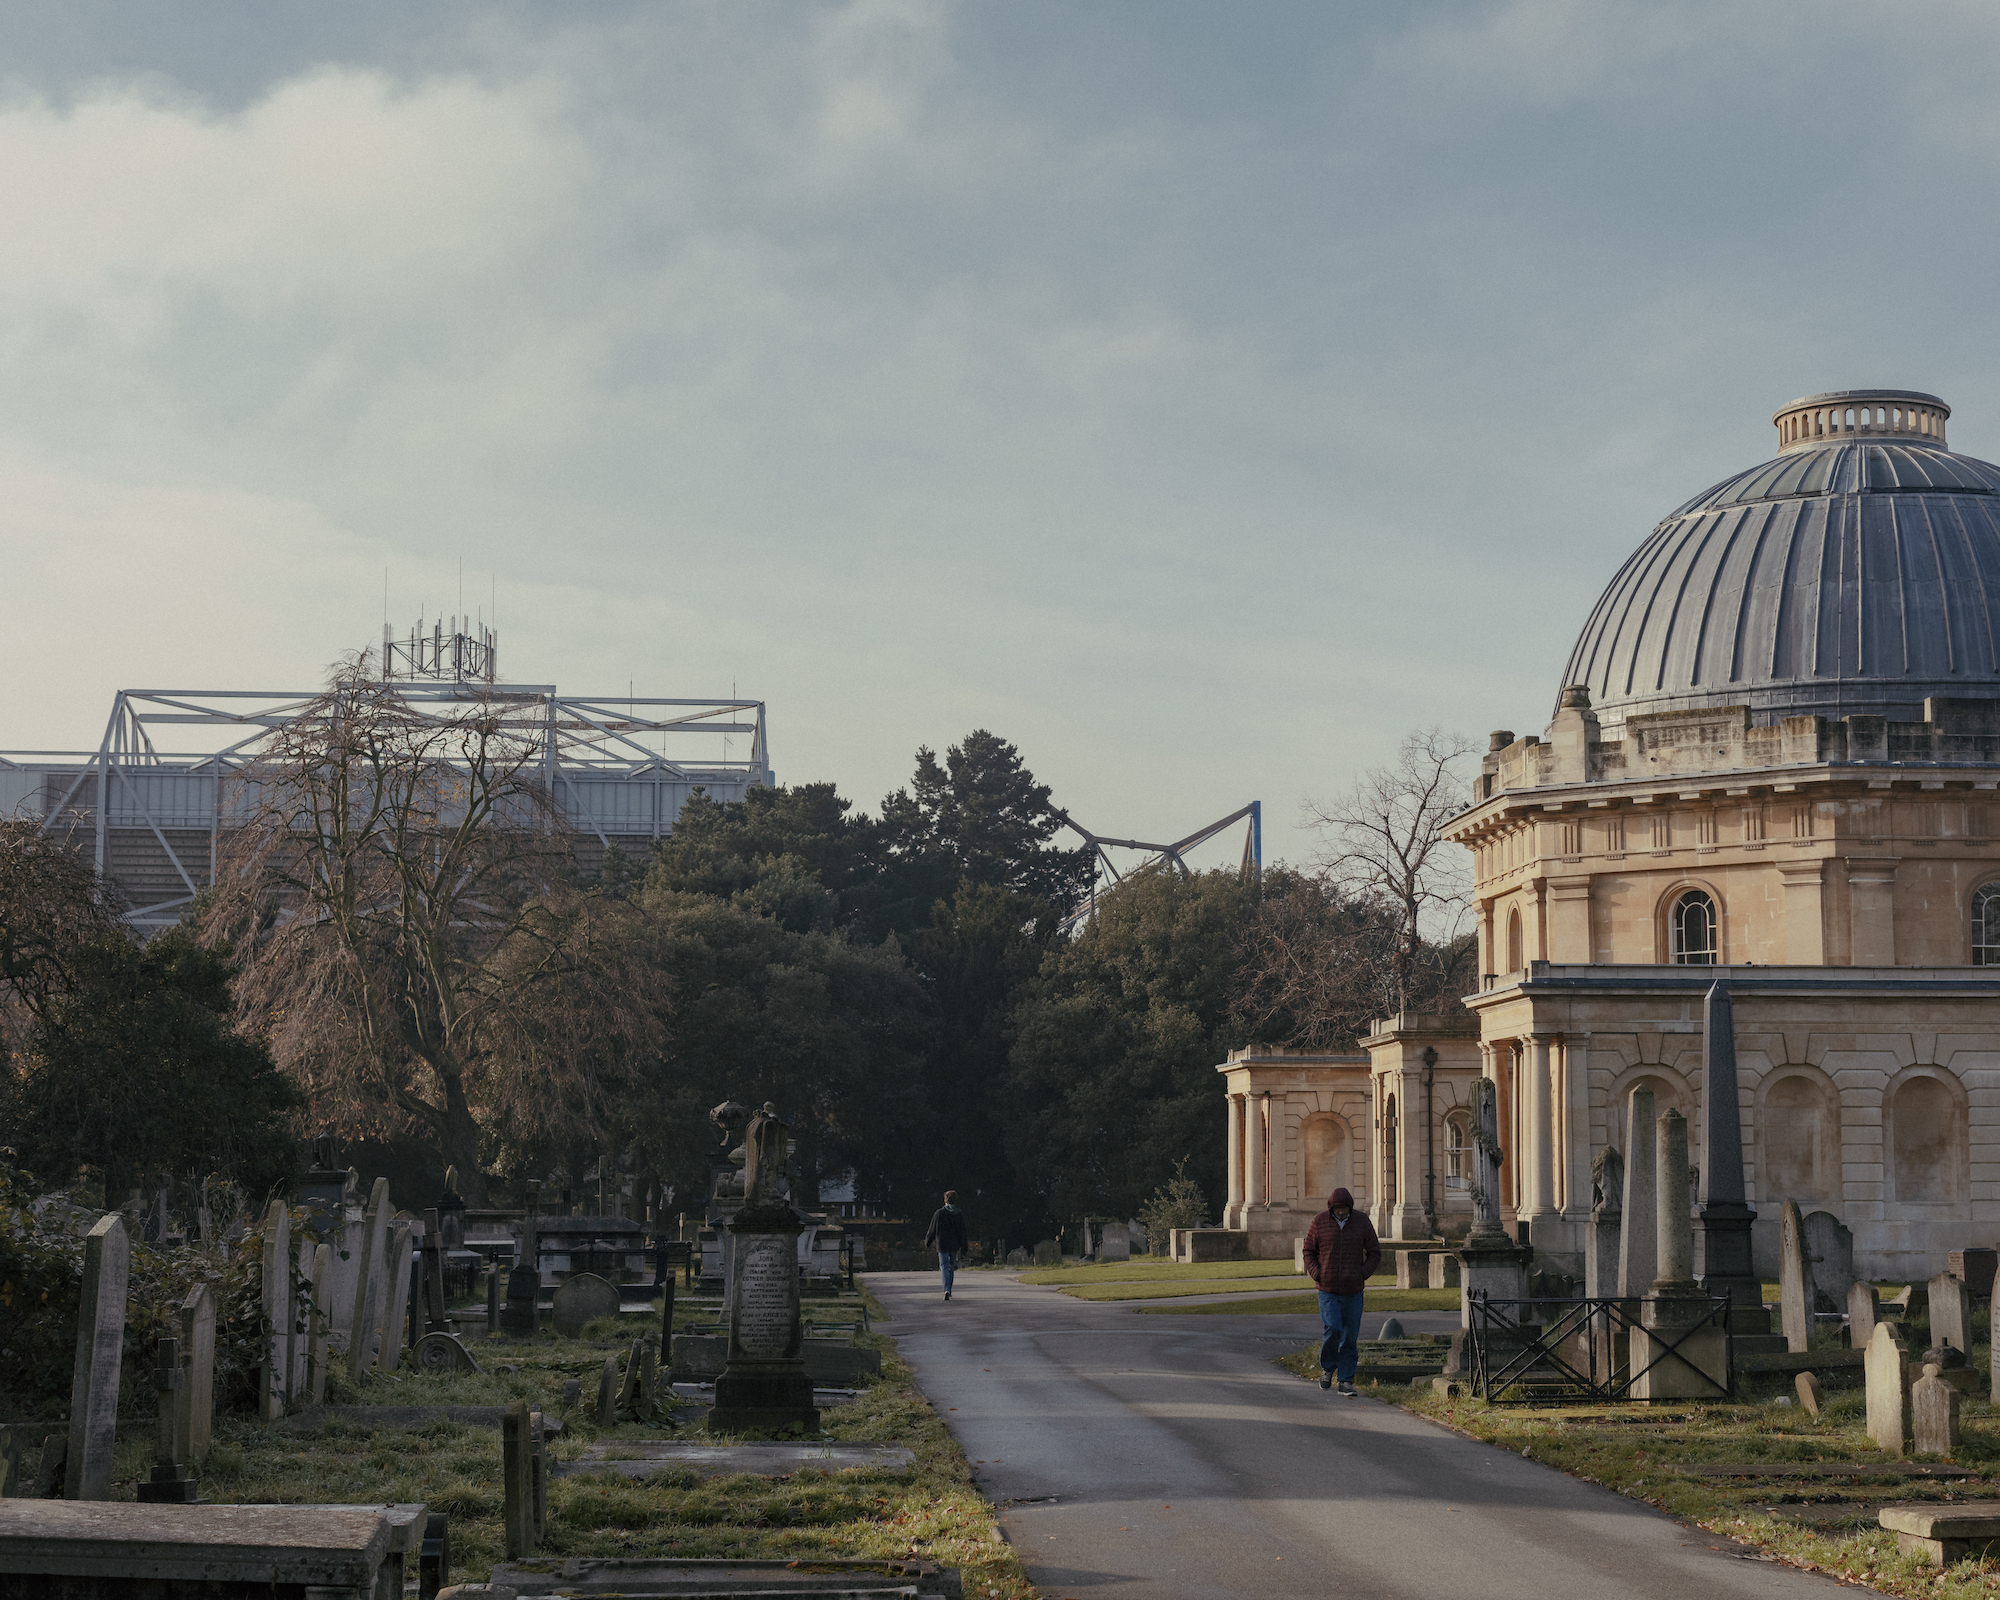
947	1264
1340	1349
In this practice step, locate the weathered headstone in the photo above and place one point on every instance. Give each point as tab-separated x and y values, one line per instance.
1444	1270
1677	1352
1607	1210
1951	1313
396	1310
522	1312
1796	1296
580	1299
764	1384
1888	1377
572	1393
431	1276
196	1397
1723	1263
100	1351
538	1473
1861	1315
607	1394
628	1390
517	1473
1809	1392
274	1375
649	1374
1830	1249
319	1337
361	1321
171	1483
1048	1254
1639	1236
1413	1269
301	1364
1975	1268
1933	1414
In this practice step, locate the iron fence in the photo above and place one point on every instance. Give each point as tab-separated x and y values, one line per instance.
1526	1350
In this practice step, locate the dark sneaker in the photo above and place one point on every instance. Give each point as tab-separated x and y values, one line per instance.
1326	1380
1348	1390
947	1294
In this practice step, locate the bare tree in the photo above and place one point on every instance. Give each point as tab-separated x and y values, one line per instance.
1385	844
396	882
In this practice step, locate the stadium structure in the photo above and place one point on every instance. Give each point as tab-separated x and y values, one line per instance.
153	800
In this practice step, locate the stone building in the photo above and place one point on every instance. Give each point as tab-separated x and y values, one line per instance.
1773	761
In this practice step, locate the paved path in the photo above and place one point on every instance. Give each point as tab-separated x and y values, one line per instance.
1167	1458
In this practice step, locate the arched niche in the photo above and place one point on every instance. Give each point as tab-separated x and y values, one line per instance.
1515	949
1797	1135
1325	1162
1924	1136
1671	1092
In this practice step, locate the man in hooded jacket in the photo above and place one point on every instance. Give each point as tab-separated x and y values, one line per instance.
1341	1255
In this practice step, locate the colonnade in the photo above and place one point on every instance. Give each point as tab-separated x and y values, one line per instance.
1544	1096
1249	1155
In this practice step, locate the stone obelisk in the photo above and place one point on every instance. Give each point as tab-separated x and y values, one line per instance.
1722	1236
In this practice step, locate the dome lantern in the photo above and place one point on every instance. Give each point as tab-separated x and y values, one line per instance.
1845	416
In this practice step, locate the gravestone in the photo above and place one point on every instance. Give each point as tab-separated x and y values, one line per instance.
1809	1392
628	1390
368	1271
274	1375
348	1238
517	1471
1676	1351
1933	1414
396	1302
1444	1270
1607	1209
1117	1244
580	1299
1951	1313
100	1351
649	1374
1975	1269
1048	1254
1638	1244
1830	1248
319	1336
522	1312
1796	1297
607	1394
572	1393
1723	1263
493	1301
196	1397
1413	1269
302	1302
1888	1378
171	1483
1861	1314
764	1384
1490	1263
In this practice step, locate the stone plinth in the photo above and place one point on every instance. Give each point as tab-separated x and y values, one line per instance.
1496	1267
764	1385
1944	1534
1674	1357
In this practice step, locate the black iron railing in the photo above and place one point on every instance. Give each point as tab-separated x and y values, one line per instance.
1526	1350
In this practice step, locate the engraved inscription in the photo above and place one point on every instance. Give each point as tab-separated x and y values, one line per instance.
766	1295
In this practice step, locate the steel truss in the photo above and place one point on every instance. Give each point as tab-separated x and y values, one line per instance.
1253	852
1574	1353
143	781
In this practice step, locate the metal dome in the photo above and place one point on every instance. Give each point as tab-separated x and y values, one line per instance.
1858	572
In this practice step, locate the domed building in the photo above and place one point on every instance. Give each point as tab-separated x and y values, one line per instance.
1773	760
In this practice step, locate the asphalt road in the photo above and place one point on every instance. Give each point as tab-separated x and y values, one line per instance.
1157	1456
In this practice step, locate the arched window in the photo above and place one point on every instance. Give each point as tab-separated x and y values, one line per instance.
1926	1141
1986	926
1514	941
1691	929
1458	1151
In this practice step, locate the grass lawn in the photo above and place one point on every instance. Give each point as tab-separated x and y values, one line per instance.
932	1511
1646	1451
1174	1287
1383	1299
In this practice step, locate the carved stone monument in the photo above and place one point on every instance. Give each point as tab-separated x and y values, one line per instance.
1830	1249
1607	1210
1933	1414
763	1386
1638	1245
1951	1313
1888	1377
1677	1353
1490	1262
524	1282
100	1352
1795	1281
1722	1240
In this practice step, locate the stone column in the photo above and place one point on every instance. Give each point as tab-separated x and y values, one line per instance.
1410	1221
1805	912
1254	1196
1232	1213
1540	1120
1871	893
1674	1356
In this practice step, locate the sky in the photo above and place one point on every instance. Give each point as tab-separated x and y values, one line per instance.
1200	396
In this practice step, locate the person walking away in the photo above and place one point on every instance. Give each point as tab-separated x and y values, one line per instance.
946	1235
1341	1255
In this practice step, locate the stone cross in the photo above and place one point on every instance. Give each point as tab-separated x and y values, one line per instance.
1796	1295
1722	1255
170	1483
1600	1260
361	1322
275	1374
100	1352
1888	1377
196	1397
1951	1313
1860	1315
1934	1414
1486	1160
320	1337
1638	1248
1674	1233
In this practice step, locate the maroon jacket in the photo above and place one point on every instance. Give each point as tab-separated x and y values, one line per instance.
1341	1260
